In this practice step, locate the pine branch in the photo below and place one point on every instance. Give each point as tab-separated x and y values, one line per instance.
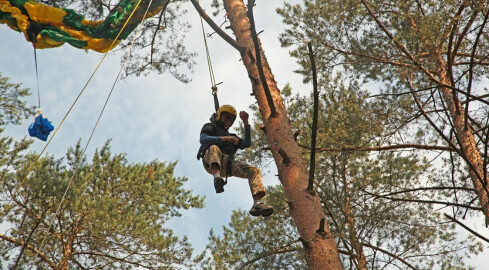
421	201
429	188
259	64
279	250
382	148
31	248
215	27
390	254
466	227
312	165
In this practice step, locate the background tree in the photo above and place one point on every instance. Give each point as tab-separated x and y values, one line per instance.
250	243
13	107
432	55
371	232
111	216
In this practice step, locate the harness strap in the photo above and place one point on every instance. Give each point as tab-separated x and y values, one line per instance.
216	100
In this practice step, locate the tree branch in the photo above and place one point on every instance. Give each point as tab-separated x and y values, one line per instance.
279	250
383	148
466	227
312	164
31	248
421	201
259	65
390	254
215	27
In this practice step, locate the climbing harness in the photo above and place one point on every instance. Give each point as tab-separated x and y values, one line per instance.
41	126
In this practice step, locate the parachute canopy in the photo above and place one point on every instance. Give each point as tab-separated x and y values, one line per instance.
51	27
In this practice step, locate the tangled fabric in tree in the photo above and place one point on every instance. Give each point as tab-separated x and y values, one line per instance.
55	26
41	127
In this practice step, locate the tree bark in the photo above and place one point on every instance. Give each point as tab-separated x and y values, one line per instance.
320	248
466	139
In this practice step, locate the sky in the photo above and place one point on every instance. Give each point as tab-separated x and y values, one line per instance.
157	116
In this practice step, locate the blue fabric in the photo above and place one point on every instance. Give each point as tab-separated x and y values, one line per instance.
40	128
208	139
247	139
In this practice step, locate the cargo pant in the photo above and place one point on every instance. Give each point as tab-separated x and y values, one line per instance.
238	168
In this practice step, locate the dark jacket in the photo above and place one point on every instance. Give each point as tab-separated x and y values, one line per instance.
210	133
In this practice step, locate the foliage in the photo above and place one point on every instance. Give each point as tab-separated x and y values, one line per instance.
13	108
106	214
399	233
258	243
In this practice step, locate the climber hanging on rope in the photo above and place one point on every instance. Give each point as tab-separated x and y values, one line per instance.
217	149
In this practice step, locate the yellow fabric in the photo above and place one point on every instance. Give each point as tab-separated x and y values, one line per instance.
45	14
100	45
91	23
44	42
22	20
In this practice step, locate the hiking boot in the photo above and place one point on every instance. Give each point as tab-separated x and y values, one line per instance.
261	209
219	184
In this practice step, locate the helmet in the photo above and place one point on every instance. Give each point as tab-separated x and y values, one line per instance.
226	108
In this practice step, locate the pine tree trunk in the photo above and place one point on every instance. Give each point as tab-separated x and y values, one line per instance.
466	139
320	248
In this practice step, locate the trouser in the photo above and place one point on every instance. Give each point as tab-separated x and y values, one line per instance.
238	168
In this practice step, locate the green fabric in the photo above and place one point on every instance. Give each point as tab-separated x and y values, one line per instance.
113	23
108	29
6	16
61	36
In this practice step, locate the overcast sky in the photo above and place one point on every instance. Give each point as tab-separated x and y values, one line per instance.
154	117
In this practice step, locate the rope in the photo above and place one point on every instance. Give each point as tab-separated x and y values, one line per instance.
37	75
209	66
209	63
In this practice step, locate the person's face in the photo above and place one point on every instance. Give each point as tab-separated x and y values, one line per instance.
227	119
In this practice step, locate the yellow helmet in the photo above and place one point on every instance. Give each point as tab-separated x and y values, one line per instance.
226	108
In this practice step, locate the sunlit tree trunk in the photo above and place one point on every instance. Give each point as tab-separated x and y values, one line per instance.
319	245
466	139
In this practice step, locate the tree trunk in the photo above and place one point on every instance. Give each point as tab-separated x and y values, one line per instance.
319	245
350	222
466	139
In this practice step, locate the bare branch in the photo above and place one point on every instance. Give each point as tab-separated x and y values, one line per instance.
312	165
466	227
383	148
215	27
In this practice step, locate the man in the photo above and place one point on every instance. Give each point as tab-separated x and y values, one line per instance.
218	147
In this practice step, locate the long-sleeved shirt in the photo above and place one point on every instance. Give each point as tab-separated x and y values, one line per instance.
211	134
243	143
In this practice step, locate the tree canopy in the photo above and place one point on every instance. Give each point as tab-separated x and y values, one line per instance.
372	231
72	213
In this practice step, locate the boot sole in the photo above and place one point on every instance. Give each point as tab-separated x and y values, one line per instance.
264	212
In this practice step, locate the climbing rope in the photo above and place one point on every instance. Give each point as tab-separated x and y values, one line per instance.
211	70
